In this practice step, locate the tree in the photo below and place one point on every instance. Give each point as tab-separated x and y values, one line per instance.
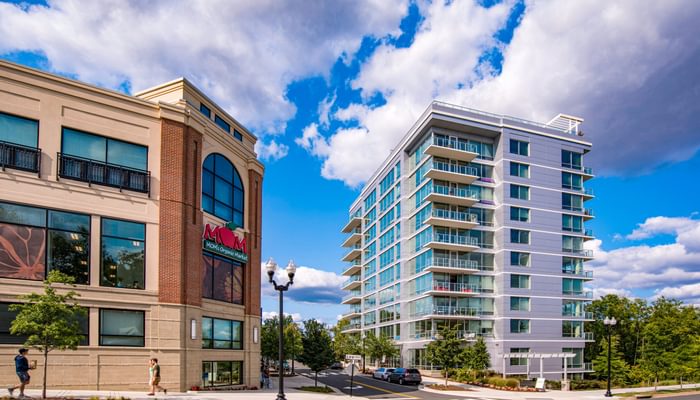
619	368
380	347
445	351
269	339
51	321
479	358
292	342
343	343
318	347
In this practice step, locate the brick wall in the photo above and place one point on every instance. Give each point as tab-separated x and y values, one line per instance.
180	216
252	276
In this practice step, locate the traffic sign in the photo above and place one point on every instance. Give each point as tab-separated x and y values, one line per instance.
353	357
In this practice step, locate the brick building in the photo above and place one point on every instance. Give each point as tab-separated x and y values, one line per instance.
153	203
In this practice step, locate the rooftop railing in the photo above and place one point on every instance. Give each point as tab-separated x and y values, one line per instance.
19	157
102	173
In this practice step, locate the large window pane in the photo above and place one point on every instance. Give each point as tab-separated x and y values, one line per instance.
123	254
22	215
222	373
66	221
6	318
22	252
223	191
18	130
127	154
223	279
208	277
221	181
69	253
121	328
82	144
222	334
207	332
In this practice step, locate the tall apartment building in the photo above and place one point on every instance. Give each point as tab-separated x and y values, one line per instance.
152	203
476	221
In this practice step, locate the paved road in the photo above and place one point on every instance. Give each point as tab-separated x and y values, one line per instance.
374	388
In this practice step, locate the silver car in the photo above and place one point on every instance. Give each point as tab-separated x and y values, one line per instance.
382	373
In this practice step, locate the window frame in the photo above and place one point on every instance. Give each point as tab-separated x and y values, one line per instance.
212	198
520	300
145	237
203	107
518	190
519	254
99	328
107	140
516	236
518	147
213	339
518	214
520	278
519	361
213	278
221	123
519	170
231	363
518	321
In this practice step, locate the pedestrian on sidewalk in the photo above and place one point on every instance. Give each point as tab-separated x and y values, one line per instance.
154	377
266	378
22	369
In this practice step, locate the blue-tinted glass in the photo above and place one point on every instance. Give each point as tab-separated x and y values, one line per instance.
122	263
222	211
223	191
68	253
208	204
18	130
223	124
237	179
123	229
205	110
222	329
207	183
69	221
81	144
22	215
224	168
127	154
207	328
237	135
238	199
209	162
238	218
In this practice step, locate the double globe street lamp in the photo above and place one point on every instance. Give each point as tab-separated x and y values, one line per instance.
271	268
609	323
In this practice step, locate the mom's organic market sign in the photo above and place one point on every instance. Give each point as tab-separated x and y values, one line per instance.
223	241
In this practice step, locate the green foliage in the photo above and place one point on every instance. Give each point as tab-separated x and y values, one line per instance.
512	383
318	347
316	389
446	351
293	347
269	338
478	356
380	347
50	320
343	343
619	368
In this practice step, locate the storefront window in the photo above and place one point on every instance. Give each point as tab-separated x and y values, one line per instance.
222	279
222	373
221	334
122	328
123	253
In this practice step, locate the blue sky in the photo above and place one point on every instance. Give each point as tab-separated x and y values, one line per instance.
330	87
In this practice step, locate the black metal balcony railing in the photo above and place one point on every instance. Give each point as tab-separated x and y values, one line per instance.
20	157
101	173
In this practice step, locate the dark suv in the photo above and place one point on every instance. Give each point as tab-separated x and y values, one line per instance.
405	375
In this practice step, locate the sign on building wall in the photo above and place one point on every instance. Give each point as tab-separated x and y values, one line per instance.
224	242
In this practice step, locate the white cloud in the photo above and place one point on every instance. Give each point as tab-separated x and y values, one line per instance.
243	54
671	270
628	68
296	317
271	151
310	285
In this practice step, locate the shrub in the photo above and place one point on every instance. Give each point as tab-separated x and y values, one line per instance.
511	383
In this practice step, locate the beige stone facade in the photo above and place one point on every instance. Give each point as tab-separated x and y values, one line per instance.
179	137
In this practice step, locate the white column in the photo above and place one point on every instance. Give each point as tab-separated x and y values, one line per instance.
541	368
504	368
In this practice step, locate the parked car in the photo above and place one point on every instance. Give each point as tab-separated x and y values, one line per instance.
405	375
382	373
337	365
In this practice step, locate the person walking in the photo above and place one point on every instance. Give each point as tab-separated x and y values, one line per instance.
154	377
22	369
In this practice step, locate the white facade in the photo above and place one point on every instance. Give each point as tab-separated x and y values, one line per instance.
476	221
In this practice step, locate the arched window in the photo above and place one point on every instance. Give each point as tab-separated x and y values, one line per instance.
222	189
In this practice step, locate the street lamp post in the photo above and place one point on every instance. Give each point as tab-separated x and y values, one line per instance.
271	268
609	323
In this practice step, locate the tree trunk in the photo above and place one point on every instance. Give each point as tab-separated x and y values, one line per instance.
46	359
316	379
445	377
292	365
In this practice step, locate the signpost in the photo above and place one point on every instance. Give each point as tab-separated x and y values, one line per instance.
351	358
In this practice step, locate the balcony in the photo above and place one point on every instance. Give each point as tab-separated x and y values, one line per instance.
455	265
577	314
586	336
101	173
356	326
582	273
451	311
19	157
352	283
354	268
354	312
455	289
586	294
583	253
452	172
354	222
450	148
352	298
452	219
453	196
353	239
355	252
588	214
445	241
462	334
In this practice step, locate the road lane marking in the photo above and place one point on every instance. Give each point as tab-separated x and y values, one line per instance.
390	391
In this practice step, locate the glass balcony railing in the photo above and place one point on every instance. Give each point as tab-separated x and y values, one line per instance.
578	252
457	263
455	239
577	314
101	173
462	334
455	215
455	168
351	295
578	272
353	310
355	325
574	293
455	144
588	170
456	192
442	286
19	157
354	278
457	311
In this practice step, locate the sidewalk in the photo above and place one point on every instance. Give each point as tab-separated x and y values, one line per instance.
290	383
481	392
